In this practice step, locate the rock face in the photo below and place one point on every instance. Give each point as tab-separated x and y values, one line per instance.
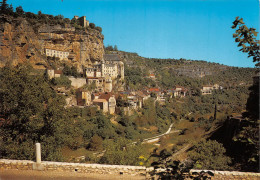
22	42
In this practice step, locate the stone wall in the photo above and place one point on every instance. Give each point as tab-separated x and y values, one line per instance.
231	175
6	164
74	167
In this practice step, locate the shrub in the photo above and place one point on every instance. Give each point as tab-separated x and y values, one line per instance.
209	155
96	143
61	81
99	29
92	25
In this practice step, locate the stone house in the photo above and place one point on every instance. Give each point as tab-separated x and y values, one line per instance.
143	95
111	66
63	55
134	102
95	96
94	71
154	90
152	76
53	73
98	81
110	98
207	89
83	97
115	63
102	104
179	91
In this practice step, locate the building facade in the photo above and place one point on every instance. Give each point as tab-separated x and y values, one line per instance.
63	55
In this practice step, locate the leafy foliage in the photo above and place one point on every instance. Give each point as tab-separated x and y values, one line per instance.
247	40
121	152
167	168
96	143
61	81
249	132
209	155
31	112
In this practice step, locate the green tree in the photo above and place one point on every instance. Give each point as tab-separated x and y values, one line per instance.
3	7
209	155
31	112
174	169
20	11
109	48
99	29
249	131
92	25
66	70
61	81
121	153
247	39
96	143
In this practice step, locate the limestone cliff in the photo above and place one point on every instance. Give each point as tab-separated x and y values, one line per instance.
22	42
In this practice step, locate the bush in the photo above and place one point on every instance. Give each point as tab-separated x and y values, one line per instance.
99	29
96	143
61	81
209	155
92	25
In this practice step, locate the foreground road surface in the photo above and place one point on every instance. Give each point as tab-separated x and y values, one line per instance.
42	175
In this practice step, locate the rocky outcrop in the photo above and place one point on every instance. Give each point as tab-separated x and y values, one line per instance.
22	42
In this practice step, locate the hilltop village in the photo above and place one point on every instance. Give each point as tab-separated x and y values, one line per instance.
107	80
104	74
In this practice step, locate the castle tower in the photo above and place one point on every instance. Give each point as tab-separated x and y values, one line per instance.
102	68
122	71
108	84
83	21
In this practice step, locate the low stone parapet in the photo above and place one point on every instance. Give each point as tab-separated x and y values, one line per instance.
6	164
74	167
230	175
16	164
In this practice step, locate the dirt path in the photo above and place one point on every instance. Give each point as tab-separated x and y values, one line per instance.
185	148
156	138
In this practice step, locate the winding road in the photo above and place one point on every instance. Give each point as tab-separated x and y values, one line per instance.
156	138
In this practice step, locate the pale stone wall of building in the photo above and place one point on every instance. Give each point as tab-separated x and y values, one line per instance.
87	96
111	70
50	73
112	105
108	84
54	53
102	104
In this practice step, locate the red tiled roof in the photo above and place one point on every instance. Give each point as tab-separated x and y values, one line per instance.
154	90
105	95
57	72
96	94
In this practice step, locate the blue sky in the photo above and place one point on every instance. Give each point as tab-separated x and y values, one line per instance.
190	29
